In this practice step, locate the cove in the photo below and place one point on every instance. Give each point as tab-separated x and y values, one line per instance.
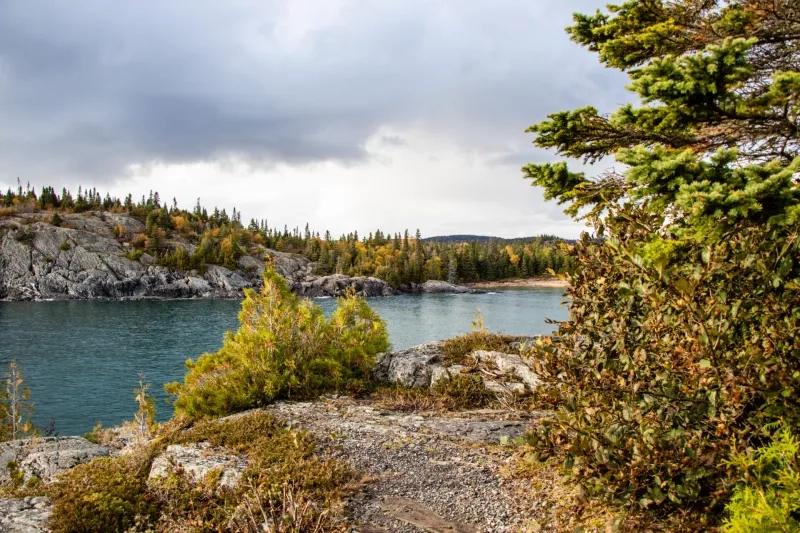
81	359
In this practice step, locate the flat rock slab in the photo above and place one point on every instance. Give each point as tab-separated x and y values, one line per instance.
423	473
367	419
29	515
47	458
197	460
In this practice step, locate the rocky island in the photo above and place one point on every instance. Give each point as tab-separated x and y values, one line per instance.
87	256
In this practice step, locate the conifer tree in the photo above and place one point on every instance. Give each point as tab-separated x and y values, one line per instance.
681	342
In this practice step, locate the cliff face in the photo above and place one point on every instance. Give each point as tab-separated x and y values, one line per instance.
83	259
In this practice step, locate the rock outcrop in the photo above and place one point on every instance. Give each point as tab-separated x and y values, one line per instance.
439	287
28	515
337	284
423	365
46	458
196	461
84	259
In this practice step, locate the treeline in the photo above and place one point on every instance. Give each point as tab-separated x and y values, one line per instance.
221	239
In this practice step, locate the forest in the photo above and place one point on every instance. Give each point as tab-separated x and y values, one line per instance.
186	240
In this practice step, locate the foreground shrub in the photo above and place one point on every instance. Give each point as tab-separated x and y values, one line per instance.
283	477
768	500
284	348
464	391
106	494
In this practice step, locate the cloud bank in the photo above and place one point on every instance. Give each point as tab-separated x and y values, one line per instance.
349	114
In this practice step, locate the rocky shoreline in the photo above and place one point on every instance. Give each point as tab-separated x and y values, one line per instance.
421	471
83	259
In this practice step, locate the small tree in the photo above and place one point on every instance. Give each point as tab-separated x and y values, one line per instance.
15	409
144	419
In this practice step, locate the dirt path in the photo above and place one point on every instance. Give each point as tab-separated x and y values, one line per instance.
436	474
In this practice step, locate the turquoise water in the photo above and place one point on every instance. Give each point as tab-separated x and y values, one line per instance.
81	359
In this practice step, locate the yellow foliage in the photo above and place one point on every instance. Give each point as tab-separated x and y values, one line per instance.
181	225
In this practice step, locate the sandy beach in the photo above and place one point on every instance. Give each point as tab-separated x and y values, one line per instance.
523	283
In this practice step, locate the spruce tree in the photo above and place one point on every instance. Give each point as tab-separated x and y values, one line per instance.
682	339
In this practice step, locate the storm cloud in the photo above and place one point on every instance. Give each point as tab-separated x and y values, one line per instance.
104	92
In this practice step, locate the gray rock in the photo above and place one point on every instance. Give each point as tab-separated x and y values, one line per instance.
337	284
422	366
28	515
441	372
509	364
48	457
196	460
413	367
440	287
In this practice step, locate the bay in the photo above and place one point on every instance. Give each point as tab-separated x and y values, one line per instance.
81	359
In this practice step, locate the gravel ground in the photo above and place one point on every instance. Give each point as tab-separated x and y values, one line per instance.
435	474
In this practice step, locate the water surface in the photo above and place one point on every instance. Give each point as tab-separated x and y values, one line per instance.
81	359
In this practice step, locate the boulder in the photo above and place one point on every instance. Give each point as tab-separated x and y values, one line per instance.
440	287
337	284
28	515
48	457
413	367
197	460
422	366
508	364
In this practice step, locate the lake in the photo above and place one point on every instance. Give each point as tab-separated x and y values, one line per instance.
81	359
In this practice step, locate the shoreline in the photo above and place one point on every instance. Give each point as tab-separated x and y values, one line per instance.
521	283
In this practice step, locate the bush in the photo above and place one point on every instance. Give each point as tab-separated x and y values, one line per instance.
25	235
55	220
134	255
113	493
768	500
465	391
106	494
284	348
64	246
665	365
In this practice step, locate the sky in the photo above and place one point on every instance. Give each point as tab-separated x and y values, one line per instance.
346	114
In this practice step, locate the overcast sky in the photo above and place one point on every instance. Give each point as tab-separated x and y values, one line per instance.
347	114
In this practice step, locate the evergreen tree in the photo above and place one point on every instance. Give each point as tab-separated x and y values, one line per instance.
664	367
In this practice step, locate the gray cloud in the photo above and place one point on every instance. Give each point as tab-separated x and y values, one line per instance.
88	88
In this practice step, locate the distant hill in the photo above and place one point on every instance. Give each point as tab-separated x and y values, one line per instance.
487	238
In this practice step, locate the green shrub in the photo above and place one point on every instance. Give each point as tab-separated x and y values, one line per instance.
65	246
106	494
465	391
56	219
284	348
768	500
135	255
25	235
